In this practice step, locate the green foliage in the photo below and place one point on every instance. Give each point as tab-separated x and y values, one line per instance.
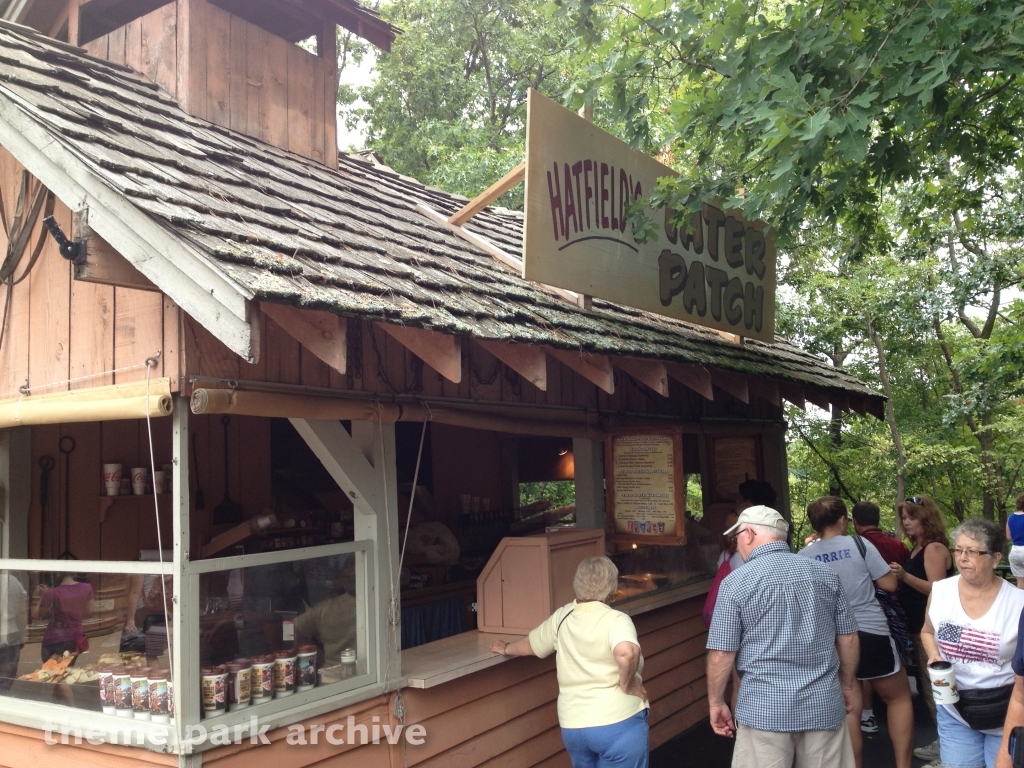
560	493
448	106
797	109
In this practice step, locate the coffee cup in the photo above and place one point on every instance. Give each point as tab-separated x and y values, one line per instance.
159	481
139	476
112	478
943	682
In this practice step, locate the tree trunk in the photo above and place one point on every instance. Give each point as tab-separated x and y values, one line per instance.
890	414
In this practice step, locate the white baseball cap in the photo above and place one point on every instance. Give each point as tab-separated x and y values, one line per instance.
760	515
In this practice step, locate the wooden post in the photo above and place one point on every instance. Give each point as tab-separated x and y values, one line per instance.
587	113
588	457
185	625
15	491
73	25
363	465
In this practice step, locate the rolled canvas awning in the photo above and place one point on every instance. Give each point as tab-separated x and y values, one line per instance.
491	417
114	403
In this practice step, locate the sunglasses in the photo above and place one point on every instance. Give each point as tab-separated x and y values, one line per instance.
917	500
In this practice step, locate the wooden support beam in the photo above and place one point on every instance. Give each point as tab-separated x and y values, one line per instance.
858	404
733	383
732	338
440	351
491	249
102	263
489	195
73	22
766	389
876	407
819	397
597	369
794	393
528	361
322	333
840	400
696	377
651	373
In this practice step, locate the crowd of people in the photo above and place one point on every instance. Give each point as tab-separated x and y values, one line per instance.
810	638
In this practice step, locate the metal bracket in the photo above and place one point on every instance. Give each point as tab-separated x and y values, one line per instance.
72	250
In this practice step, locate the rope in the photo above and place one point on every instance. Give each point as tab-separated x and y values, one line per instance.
76	379
150	364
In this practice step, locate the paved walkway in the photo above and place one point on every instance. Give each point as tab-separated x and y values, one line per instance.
699	747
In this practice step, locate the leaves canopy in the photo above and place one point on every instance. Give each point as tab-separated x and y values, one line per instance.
448	106
810	109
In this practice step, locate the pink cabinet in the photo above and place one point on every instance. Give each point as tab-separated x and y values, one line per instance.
528	577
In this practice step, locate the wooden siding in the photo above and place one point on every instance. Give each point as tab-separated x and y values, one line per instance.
223	69
129	524
62	334
379	364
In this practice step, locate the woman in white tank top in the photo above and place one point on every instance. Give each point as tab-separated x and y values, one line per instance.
972	622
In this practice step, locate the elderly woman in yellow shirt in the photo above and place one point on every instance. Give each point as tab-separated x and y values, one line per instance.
602	704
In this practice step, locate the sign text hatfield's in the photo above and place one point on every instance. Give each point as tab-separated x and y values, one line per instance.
579	180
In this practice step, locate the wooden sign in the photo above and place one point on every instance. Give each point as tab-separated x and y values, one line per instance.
646	497
733	460
579	181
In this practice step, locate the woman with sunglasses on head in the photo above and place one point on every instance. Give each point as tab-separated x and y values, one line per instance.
921	522
860	569
972	623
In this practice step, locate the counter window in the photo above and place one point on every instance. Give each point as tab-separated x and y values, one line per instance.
271	627
91	641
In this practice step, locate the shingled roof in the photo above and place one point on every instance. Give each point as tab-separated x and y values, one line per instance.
276	227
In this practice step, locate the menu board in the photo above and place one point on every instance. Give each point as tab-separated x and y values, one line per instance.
644	485
734	460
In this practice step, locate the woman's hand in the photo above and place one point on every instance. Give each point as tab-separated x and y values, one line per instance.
636	688
499	647
897	570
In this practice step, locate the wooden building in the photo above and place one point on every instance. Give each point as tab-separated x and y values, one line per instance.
276	322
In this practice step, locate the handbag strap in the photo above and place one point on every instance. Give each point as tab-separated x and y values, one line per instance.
860	547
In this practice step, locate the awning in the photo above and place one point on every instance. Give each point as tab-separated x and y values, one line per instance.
114	403
486	416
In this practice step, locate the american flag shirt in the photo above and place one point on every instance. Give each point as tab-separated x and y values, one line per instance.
981	649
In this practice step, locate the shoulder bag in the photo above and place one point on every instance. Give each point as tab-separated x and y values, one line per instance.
894	614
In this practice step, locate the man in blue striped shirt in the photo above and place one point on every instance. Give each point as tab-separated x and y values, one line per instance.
785	622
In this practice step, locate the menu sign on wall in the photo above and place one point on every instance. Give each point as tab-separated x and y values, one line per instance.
644	487
733	461
719	272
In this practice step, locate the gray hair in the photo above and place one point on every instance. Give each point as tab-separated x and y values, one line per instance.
985	532
596	578
768	530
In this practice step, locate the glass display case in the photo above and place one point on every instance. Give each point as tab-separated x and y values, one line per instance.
88	640
647	569
277	629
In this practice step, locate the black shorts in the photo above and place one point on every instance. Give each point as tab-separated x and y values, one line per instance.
877	656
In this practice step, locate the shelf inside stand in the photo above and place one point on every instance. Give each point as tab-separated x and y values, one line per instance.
106	502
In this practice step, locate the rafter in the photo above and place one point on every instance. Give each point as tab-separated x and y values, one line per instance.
441	351
527	360
597	369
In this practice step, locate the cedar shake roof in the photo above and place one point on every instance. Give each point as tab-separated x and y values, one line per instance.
288	230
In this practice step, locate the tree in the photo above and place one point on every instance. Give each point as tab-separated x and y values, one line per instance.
448	106
809	109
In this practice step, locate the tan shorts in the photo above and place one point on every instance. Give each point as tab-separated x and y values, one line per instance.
800	749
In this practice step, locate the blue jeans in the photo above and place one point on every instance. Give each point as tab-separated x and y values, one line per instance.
623	745
964	747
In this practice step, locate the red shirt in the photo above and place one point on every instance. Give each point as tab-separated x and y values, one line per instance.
889	547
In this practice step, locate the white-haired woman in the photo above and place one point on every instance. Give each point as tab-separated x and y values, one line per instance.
602	704
972	622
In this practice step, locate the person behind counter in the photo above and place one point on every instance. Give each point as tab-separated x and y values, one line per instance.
66	605
13	621
602	704
331	623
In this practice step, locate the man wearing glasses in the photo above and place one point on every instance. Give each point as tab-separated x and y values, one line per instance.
785	622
